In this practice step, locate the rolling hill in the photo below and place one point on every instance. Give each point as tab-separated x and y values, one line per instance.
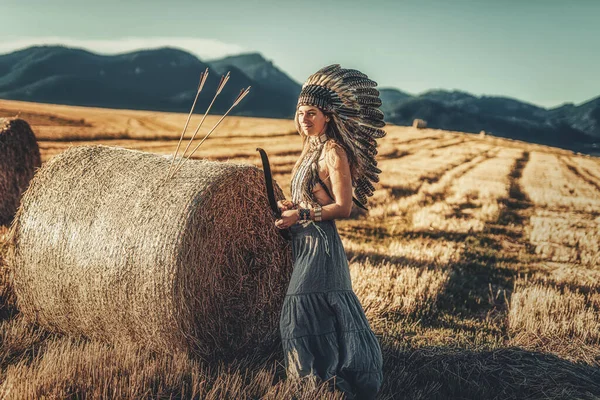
165	79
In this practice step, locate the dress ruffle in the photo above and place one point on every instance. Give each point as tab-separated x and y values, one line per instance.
323	326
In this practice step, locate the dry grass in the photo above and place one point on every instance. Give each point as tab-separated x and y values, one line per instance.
474	199
476	267
70	368
549	183
555	307
387	290
401	204
566	237
413	252
405	175
401	279
70	123
559	320
587	168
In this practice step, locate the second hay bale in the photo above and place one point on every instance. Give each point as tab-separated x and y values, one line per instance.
104	246
19	158
419	123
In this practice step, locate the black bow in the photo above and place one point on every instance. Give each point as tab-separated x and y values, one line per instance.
270	193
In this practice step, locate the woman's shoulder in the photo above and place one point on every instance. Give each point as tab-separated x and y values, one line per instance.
335	153
335	148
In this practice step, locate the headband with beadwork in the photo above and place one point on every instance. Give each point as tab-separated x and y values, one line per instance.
318	96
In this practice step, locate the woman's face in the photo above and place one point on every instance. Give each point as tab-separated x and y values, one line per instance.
312	121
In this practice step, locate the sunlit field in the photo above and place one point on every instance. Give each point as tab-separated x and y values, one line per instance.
478	266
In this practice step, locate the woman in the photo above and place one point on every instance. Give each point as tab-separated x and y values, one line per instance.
324	330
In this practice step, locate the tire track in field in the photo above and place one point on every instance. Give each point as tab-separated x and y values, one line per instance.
581	172
451	175
155	125
405	203
435	176
450	143
482	281
417	139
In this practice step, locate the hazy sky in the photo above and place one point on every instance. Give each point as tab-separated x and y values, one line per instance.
543	51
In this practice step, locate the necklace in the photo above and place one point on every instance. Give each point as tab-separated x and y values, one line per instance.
317	142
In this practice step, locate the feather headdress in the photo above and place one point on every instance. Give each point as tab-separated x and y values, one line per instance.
351	97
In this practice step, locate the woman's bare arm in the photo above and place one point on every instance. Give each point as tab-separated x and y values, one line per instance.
341	184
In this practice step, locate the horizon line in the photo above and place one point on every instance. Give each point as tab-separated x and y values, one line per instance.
207	50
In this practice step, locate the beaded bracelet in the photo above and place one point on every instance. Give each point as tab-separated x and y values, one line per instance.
304	214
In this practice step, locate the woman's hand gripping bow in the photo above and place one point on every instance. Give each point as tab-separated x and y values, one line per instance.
289	215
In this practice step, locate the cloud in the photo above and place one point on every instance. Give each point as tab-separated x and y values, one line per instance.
204	49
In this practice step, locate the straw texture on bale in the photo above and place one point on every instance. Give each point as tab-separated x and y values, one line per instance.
106	247
19	157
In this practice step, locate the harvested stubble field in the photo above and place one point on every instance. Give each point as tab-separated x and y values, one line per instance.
478	267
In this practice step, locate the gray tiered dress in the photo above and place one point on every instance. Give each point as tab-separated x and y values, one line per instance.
323	326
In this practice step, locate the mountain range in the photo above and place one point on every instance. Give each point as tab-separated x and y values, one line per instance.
166	79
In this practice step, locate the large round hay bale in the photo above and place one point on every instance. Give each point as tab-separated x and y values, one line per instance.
104	246
19	157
